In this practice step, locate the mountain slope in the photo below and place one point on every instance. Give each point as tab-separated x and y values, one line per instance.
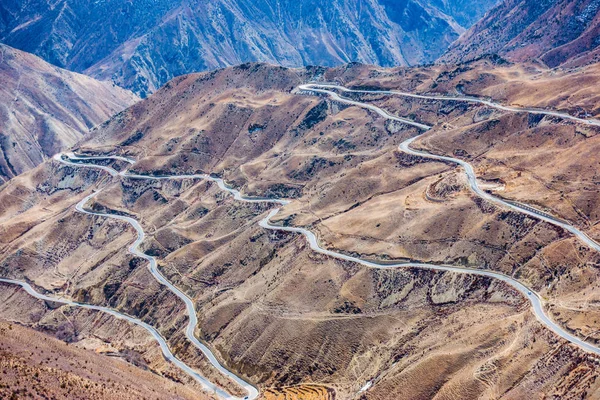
142	46
46	367
557	32
44	109
272	309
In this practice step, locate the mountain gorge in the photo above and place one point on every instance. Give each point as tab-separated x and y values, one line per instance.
143	45
556	32
279	230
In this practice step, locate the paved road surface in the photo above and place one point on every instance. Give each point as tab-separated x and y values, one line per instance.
468	99
472	178
207	385
134	249
535	300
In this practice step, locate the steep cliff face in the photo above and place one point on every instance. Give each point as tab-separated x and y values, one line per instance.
44	109
557	32
142	45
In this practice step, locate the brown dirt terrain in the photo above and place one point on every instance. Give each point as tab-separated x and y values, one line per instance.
45	109
546	162
39	366
274	311
528	85
305	392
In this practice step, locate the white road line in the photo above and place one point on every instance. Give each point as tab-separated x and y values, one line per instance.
210	387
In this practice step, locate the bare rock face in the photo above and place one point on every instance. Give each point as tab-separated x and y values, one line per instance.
44	109
557	32
144	44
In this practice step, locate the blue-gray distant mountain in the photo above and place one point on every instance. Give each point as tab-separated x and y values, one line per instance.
142	44
555	32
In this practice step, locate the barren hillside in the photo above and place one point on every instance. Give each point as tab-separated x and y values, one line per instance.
44	109
555	32
277	313
40	366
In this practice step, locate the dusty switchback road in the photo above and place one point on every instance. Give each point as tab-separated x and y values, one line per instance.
317	87
536	301
468	168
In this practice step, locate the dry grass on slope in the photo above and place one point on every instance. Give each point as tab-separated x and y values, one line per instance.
570	90
273	310
37	365
45	109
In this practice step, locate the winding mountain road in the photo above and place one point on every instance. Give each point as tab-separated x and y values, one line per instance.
134	249
534	298
207	385
468	168
79	161
318	86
